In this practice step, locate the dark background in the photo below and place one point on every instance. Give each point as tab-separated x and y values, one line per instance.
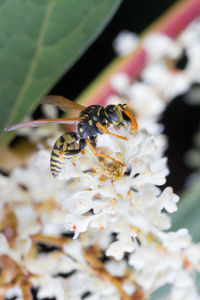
180	119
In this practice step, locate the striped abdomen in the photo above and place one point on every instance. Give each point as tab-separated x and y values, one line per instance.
64	148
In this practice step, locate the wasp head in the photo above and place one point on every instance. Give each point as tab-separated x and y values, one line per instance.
114	115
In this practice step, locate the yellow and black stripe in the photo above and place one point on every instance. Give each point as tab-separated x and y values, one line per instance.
64	148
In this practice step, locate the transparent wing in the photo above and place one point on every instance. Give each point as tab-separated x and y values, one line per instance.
64	104
42	122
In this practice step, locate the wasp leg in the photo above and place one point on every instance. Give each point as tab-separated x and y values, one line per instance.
88	142
93	140
134	124
66	154
105	130
82	145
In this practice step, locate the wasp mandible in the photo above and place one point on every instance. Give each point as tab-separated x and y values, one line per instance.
92	120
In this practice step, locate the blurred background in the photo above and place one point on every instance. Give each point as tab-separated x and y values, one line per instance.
134	16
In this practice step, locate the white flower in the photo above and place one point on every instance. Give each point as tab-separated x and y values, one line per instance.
145	101
161	260
78	224
159	45
193	66
192	255
168	200
125	42
14	292
124	244
51	264
120	82
175	241
36	173
117	214
191	34
116	268
169	84
126	203
4	245
49	288
183	288
27	221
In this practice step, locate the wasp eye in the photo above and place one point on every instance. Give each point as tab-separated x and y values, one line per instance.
111	113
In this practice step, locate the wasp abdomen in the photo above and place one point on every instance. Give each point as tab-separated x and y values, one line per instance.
64	148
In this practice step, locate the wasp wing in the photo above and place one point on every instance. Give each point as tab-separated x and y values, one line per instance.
42	122
64	104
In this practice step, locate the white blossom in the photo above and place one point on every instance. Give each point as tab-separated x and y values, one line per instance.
108	224
125	42
159	45
170	84
120	82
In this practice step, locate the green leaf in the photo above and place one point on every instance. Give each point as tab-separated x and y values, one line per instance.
188	213
40	40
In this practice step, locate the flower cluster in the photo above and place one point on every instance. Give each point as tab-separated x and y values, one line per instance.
161	81
101	229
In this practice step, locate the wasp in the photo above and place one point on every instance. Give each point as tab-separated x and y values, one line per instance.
91	121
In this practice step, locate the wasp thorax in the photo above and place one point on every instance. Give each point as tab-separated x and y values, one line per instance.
87	129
